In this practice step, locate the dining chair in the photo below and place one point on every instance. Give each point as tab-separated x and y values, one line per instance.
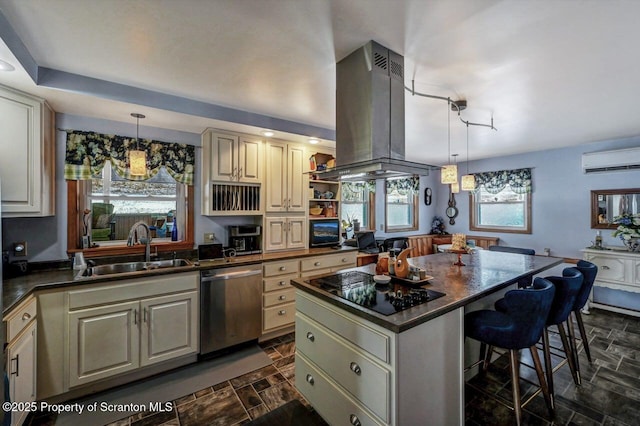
522	282
518	326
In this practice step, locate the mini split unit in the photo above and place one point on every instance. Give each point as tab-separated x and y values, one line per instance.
609	161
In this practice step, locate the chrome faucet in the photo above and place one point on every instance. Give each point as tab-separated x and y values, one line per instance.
133	239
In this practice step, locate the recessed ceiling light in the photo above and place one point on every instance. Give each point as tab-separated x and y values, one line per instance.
267	133
6	66
313	141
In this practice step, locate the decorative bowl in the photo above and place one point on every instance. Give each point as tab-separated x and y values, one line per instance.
382	279
315	210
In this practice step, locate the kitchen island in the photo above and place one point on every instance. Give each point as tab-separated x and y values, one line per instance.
360	366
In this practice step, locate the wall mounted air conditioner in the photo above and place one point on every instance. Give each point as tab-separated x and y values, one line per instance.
609	161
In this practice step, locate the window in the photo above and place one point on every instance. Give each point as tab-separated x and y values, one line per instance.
123	202
402	204
502	202
357	202
105	199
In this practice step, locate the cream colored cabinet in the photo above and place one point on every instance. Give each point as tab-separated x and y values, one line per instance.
617	270
234	158
119	328
232	173
278	297
352	371
328	263
27	155
284	233
286	183
21	334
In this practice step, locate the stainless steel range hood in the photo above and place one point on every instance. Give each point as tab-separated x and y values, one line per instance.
370	117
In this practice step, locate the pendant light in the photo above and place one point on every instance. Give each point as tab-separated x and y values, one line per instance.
449	172
468	181
455	187
137	158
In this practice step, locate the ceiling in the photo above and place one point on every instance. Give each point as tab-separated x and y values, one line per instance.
550	73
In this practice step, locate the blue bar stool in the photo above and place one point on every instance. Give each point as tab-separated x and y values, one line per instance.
567	288
519	326
589	272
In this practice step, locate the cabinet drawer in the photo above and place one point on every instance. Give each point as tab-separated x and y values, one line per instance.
611	268
278	283
334	405
279	297
278	316
345	260
369	382
20	318
373	341
271	269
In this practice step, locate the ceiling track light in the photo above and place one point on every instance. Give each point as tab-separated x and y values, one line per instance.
458	106
449	172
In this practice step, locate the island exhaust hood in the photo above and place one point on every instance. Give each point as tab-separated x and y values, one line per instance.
370	117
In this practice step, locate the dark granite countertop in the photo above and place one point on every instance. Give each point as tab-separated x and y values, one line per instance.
485	272
16	289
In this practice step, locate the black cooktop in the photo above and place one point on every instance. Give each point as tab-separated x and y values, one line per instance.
360	288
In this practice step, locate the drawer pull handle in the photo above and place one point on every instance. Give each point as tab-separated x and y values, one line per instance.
605	267
26	316
344	260
310	379
316	264
282	297
355	368
354	420
17	360
282	312
283	268
310	336
282	283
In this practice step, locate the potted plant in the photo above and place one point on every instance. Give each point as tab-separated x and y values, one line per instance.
628	230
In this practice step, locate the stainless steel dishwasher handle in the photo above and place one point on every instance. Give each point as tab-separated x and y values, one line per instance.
231	275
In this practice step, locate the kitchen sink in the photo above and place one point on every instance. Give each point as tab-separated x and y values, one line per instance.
128	267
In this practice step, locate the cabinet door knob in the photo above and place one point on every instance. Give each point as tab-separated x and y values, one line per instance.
282	283
344	260
354	420
282	297
310	336
605	267
316	264
355	368
26	316
283	268
310	379
282	312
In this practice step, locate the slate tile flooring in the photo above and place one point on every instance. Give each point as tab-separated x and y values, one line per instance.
609	394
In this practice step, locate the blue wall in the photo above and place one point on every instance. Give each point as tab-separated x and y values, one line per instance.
561	197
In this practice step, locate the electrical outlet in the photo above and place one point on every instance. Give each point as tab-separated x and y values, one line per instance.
209	237
547	251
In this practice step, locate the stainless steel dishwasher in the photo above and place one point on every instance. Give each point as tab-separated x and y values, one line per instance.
230	307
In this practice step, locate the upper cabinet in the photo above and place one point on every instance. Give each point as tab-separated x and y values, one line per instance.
286	182
27	155
232	173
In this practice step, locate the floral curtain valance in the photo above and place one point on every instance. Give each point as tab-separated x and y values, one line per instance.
519	180
87	152
404	186
352	191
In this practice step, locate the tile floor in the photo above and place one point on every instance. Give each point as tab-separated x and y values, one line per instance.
609	395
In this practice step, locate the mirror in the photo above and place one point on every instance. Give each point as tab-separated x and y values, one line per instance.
609	203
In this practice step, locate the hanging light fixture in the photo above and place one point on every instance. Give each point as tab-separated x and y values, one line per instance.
449	172
468	181
455	187
137	158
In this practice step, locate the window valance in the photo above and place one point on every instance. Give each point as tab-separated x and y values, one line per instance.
351	191
87	152
519	180
404	186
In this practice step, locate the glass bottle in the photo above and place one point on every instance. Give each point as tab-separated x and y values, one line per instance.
174	229
392	263
598	239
